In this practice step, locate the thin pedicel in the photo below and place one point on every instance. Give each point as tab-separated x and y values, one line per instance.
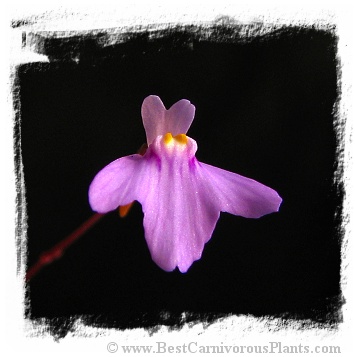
58	250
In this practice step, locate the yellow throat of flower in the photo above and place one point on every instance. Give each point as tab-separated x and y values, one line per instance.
179	138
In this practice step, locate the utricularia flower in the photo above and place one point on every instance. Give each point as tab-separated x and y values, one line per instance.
181	197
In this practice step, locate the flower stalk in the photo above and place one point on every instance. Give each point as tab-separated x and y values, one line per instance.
58	250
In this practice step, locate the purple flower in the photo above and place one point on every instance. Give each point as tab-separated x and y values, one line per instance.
180	196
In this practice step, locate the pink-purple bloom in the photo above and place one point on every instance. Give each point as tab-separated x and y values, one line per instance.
181	197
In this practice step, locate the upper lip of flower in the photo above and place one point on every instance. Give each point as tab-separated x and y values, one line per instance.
180	196
159	121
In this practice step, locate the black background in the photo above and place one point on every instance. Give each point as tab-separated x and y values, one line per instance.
264	109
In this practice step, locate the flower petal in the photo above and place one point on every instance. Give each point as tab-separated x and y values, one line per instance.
159	121
179	214
179	117
115	185
240	195
153	115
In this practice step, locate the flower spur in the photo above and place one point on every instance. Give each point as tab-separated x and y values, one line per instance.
181	197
